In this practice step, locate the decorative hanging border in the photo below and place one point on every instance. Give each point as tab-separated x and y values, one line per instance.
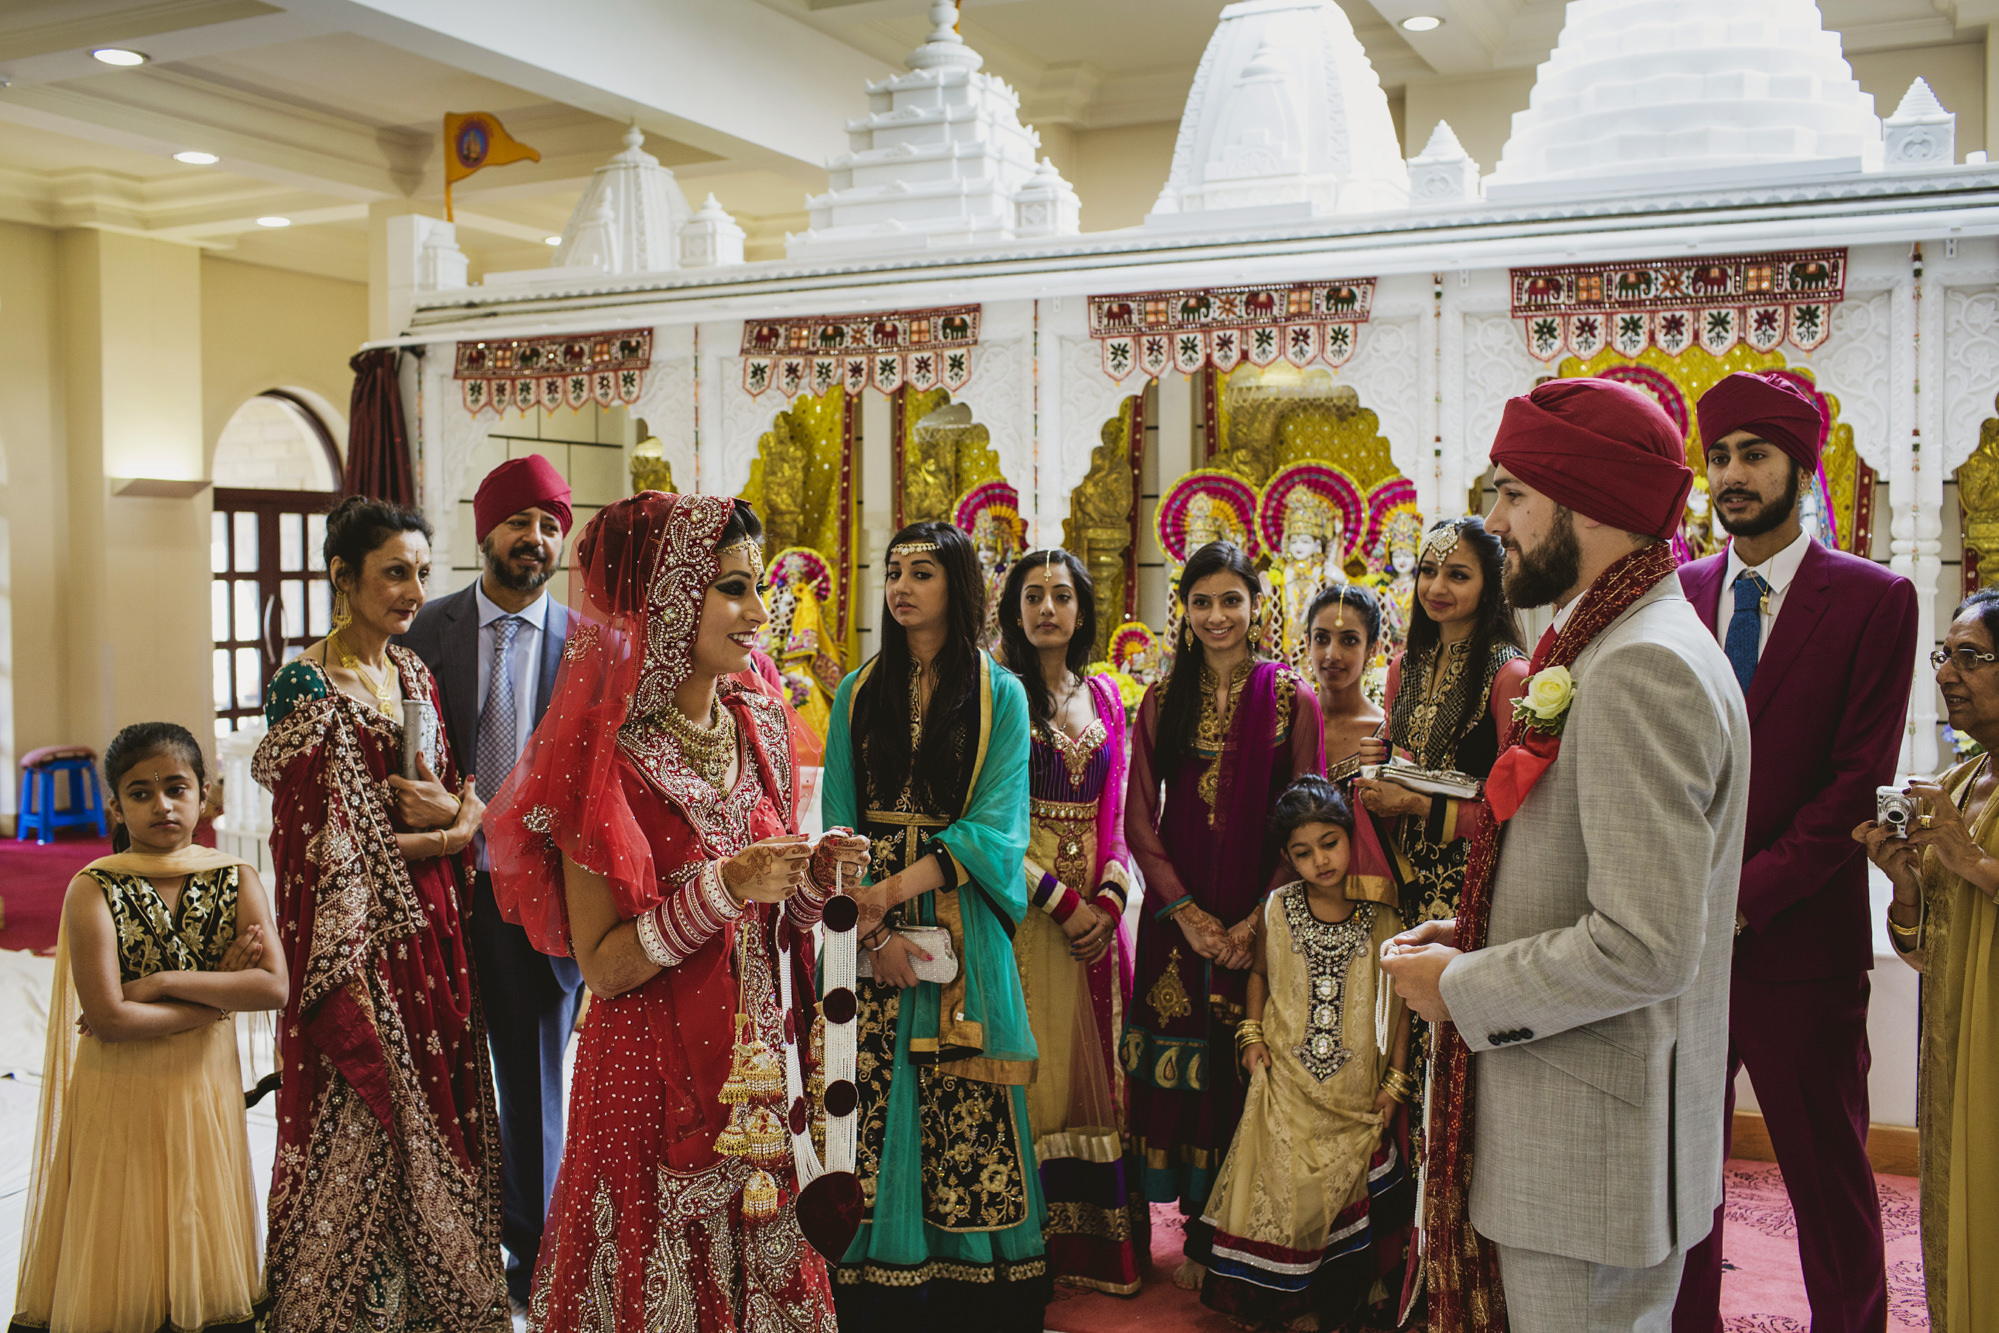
919	348
1222	327
601	368
1672	304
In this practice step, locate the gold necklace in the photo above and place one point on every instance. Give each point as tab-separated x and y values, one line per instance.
708	750
384	696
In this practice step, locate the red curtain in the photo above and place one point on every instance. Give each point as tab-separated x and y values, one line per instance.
378	449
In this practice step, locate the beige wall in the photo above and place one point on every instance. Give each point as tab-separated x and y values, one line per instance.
1117	172
1479	108
1956	74
120	357
34	658
265	328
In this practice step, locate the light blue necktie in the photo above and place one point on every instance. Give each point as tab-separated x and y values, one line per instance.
499	722
1745	628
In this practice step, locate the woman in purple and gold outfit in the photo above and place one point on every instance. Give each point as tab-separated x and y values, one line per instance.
1075	961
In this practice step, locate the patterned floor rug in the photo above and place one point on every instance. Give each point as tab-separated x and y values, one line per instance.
1763	1289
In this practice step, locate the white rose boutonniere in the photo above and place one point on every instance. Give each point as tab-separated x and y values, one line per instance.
1545	706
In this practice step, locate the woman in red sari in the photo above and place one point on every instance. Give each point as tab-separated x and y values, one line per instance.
385	1199
1214	744
649	832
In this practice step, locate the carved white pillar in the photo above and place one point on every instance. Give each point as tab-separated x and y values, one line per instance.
1423	454
1442	482
1915	536
1929	467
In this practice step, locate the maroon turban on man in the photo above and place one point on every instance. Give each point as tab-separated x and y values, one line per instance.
1774	407
1603	449
517	484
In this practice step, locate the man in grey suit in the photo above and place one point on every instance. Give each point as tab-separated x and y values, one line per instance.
495	647
1596	1007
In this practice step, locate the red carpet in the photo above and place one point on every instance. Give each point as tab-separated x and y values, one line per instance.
1764	1291
32	881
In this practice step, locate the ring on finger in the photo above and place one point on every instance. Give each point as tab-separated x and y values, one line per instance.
1926	821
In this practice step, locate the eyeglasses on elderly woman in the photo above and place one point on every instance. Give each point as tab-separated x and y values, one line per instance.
1964	657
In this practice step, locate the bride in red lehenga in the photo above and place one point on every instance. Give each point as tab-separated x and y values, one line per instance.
648	832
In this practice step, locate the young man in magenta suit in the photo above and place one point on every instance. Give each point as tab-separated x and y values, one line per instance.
1823	644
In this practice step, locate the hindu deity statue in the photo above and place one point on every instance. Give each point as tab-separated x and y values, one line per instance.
1312	556
990	514
1397	552
807	656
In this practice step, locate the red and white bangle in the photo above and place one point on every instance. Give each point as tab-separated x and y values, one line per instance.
650	941
690	916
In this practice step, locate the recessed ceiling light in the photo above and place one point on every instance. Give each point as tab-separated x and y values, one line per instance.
274	222
1422	23
551	240
118	55
195	158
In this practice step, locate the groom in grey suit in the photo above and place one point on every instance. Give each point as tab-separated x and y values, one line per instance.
1597	1008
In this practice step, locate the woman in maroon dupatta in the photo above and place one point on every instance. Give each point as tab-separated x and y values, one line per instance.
1224	734
385	1199
650	833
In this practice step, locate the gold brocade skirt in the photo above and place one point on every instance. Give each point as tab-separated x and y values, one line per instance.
150	1220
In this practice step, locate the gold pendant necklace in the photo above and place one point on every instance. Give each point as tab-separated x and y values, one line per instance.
384	696
708	751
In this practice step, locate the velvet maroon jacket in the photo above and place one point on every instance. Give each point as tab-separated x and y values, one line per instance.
1826	711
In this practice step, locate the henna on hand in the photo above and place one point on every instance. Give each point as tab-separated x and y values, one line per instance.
769	871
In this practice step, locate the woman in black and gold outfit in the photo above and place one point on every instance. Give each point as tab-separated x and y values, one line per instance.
1450	700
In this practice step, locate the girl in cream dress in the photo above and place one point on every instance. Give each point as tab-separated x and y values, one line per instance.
141	1214
1309	1208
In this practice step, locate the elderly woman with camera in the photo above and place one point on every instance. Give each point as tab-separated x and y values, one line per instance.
1944	922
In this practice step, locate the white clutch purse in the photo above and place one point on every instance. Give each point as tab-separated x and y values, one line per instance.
1429	781
940	967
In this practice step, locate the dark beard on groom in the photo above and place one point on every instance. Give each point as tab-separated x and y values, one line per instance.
1538	576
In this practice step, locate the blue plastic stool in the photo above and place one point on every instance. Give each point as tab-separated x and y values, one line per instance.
38	811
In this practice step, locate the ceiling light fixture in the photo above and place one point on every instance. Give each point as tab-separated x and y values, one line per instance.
551	240
274	222
1422	23
118	55
196	158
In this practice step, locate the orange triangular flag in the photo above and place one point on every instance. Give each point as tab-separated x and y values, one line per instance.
477	139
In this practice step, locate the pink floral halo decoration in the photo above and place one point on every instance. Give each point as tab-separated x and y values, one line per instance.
1335	487
1130	638
1225	489
998	499
816	568
1659	385
1382	502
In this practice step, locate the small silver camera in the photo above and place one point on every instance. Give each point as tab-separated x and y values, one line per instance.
1896	809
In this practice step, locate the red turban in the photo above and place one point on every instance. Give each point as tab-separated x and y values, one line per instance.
1603	449
1776	408
517	484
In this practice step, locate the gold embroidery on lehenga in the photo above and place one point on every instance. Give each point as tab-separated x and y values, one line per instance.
1168	996
972	1170
600	1314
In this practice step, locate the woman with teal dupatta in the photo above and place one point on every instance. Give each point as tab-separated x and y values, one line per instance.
927	757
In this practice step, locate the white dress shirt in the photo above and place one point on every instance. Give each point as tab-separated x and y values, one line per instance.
1777	573
524	661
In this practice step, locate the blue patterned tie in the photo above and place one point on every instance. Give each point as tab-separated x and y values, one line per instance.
1745	628
498	720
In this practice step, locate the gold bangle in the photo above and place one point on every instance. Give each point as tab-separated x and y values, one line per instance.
1399	1085
1901	931
1249	1033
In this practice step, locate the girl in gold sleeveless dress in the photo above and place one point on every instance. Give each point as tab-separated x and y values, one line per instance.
141	1214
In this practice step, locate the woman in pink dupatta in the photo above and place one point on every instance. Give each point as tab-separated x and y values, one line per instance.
1222	735
1075	961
